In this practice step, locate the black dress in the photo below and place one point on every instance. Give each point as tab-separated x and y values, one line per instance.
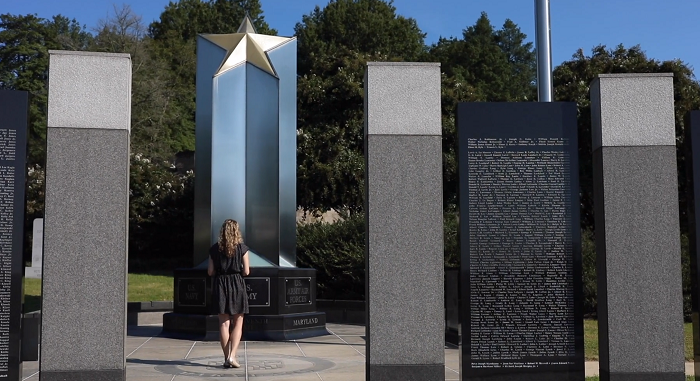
228	293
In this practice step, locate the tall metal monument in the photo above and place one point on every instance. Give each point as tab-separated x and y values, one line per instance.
245	160
245	169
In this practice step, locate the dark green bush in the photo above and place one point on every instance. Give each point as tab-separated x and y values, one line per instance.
590	287
451	238
161	213
687	286
337	252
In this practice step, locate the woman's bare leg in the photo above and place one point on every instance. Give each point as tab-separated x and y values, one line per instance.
235	336
224	336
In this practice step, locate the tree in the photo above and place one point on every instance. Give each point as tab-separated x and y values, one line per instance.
522	63
498	64
24	62
572	81
186	19
334	45
25	42
171	43
484	65
156	120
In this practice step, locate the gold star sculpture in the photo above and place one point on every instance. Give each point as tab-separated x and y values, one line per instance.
246	46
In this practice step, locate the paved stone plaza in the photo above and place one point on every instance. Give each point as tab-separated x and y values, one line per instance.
339	356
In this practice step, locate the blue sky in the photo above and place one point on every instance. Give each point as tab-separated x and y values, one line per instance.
665	29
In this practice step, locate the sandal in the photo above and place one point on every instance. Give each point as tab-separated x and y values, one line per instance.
227	364
233	363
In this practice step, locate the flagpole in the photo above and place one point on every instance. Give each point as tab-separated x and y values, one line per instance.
544	51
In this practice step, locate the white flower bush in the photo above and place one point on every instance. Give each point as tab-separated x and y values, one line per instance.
160	214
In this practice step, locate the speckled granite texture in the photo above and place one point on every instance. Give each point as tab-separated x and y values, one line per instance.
405	250
637	110
89	90
85	249
403	204
640	306
86	217
403	98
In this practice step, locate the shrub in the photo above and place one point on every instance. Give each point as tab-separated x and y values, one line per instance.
451	239
161	214
590	286
687	285
337	252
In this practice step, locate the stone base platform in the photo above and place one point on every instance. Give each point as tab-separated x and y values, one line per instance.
255	327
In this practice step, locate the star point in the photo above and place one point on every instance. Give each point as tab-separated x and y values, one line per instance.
246	46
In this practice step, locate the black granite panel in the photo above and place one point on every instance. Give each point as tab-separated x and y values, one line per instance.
297	291
192	292
255	327
692	166
521	287
13	148
258	289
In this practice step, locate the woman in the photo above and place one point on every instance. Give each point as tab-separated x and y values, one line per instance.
228	262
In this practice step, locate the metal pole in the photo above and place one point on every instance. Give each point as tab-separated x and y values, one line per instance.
544	51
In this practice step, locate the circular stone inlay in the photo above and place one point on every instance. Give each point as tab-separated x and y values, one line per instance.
268	365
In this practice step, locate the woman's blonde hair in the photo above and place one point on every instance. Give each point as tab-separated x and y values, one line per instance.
229	237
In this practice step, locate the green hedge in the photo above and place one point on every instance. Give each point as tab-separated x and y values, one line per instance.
337	252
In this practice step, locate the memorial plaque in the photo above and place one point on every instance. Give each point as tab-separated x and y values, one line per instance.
521	247
192	292
258	289
13	148
692	156
297	291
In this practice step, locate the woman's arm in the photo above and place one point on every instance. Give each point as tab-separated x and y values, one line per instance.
246	264
210	269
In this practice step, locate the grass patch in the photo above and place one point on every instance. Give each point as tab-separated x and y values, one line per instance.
688	328
150	287
590	339
32	295
142	288
596	378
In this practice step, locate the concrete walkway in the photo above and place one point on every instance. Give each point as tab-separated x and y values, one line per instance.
335	357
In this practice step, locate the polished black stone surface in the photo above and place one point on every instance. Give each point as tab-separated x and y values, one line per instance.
521	286
13	149
692	165
282	304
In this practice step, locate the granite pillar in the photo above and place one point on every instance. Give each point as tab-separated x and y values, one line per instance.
640	306
86	217
404	222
